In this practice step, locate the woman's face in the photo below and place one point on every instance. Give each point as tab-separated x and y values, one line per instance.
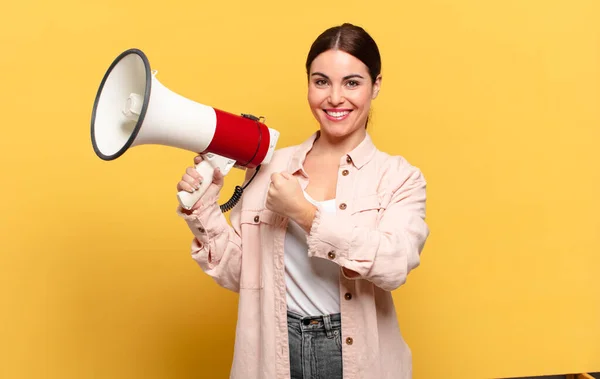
340	91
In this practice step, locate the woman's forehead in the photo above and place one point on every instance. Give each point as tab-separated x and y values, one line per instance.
337	62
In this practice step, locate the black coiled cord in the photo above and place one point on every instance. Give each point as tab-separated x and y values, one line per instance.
237	194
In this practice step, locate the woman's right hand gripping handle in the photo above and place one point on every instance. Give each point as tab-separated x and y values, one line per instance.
197	183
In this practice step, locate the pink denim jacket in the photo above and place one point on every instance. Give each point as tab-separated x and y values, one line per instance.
378	231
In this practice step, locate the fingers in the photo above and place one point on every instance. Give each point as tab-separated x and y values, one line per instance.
185	186
274	180
193	177
190	181
193	173
277	178
280	178
281	175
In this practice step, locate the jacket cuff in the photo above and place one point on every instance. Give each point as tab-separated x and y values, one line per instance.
337	239
329	237
205	222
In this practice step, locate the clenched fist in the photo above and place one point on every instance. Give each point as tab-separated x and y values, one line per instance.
286	198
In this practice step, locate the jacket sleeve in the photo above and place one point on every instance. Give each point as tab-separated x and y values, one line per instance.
217	246
384	254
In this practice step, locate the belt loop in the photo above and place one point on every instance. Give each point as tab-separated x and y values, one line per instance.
328	328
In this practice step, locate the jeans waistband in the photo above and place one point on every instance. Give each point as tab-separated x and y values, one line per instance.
327	323
335	317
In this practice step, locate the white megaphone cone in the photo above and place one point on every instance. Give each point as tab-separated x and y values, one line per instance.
133	108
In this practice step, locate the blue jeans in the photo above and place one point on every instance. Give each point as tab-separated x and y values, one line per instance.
315	346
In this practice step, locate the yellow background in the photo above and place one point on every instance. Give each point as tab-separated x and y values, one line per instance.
498	102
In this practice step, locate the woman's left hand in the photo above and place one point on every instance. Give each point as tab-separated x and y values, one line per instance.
285	197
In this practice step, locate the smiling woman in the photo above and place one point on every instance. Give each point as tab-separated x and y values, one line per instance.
340	91
327	230
344	49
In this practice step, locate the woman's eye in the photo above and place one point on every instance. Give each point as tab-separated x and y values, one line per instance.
352	83
320	82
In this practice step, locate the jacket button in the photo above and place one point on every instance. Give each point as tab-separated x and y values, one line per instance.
256	218
345	172
343	206
348	296
349	341
331	255
348	159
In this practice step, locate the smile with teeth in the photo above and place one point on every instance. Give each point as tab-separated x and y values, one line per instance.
336	115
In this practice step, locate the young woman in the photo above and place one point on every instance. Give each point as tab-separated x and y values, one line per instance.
321	237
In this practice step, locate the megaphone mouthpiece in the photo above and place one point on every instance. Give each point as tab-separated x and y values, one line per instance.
133	106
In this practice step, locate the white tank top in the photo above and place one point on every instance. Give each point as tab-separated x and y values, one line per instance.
312	283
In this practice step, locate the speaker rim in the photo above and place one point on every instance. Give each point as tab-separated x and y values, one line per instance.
140	121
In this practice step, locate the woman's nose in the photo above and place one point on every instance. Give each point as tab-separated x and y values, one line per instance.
335	97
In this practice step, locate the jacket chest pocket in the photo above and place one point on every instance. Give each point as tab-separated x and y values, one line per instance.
258	230
367	210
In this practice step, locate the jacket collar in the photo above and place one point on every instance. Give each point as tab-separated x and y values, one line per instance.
359	156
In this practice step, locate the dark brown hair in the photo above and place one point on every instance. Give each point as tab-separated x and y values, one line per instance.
351	39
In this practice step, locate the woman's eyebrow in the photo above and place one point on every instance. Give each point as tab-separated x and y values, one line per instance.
345	77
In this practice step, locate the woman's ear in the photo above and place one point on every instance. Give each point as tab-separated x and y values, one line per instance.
376	86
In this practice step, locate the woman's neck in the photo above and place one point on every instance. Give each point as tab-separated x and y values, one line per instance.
337	147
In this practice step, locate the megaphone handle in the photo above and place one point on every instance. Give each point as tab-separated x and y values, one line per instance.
187	199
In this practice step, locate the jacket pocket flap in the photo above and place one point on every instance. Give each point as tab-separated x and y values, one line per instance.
366	203
257	216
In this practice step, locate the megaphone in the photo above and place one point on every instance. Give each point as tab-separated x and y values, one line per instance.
133	108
